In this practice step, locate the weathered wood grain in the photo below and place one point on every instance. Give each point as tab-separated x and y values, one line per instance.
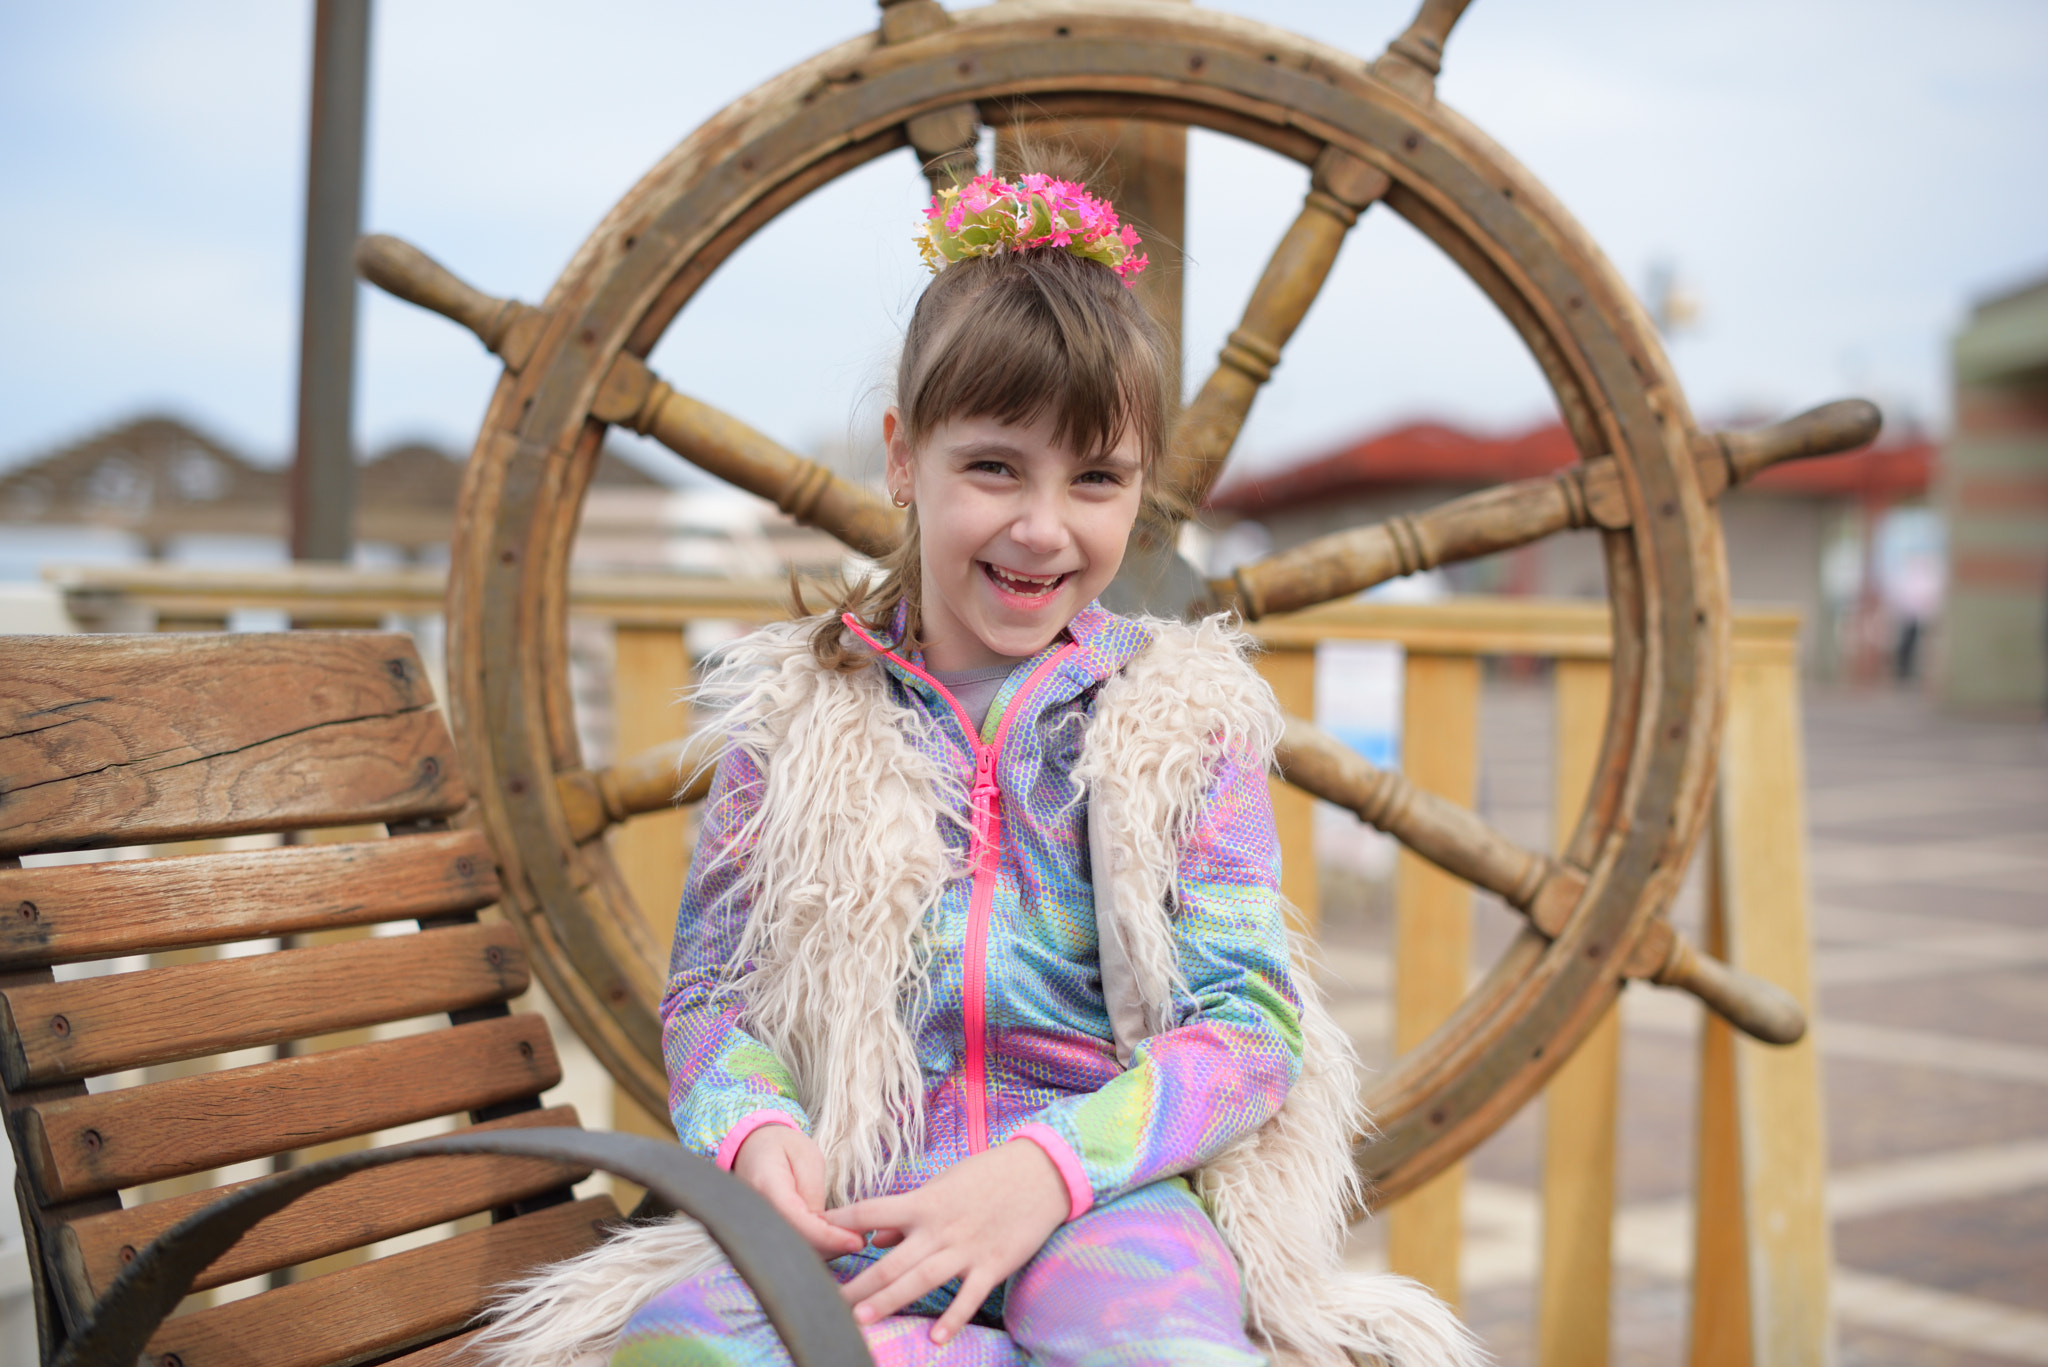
1341	187
83	1145
93	1026
673	773
506	326
72	704
1346	562
379	1307
1580	1106
358	1210
454	1351
75	912
111	741
723	445
1413	61
1433	938
1493	520
1431	826
1762	880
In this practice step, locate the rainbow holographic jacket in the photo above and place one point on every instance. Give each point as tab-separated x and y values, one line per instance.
911	942
1006	1015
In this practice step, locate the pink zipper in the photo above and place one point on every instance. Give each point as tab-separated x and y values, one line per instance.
985	858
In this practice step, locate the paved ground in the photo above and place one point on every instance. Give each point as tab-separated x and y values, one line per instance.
1929	862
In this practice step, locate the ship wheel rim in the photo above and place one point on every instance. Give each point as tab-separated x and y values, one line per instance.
535	452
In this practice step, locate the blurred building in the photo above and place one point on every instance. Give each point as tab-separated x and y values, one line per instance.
1782	531
1994	490
163	490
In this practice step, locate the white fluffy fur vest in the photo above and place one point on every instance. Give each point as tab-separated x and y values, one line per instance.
1281	1196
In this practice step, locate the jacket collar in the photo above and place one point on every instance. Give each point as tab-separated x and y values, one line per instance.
1105	644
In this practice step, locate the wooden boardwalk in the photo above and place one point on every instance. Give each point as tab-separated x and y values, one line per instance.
1929	861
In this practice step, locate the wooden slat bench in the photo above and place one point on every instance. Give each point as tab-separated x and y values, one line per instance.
109	742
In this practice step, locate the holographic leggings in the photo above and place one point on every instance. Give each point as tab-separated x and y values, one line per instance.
1144	1279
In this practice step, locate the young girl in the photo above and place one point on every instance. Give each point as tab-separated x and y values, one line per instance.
981	975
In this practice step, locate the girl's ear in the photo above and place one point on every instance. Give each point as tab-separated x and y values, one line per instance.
896	471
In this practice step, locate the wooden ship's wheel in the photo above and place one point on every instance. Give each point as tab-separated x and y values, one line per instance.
1368	133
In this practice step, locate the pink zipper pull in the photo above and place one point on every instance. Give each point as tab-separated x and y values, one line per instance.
985	798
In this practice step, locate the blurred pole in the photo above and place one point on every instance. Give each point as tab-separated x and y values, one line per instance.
323	484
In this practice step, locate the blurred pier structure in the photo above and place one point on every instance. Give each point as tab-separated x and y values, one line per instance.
1994	493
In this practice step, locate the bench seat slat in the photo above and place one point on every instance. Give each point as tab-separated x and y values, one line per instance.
79	1146
449	1352
76	912
360	1209
93	1026
378	1307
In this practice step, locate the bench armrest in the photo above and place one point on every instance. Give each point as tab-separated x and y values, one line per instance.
786	1275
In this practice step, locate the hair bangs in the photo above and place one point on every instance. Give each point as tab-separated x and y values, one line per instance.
1031	335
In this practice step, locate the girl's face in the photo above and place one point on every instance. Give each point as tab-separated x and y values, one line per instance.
1018	533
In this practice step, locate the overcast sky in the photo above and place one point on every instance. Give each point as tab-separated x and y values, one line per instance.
1836	180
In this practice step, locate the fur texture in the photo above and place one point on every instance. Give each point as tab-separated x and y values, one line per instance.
837	920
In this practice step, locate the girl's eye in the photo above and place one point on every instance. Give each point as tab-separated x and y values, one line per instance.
989	467
1099	477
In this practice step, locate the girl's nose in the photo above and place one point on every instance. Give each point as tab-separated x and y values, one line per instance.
1039	527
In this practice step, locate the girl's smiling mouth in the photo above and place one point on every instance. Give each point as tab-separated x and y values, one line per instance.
1031	587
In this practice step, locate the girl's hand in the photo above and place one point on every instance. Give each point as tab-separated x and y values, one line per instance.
784	1165
980	1221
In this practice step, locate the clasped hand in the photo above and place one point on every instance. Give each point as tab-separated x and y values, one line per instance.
980	1220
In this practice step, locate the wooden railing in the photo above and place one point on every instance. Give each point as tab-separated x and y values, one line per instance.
1760	1244
1760	1247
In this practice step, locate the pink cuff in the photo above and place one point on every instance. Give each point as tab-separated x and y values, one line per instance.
737	1135
1080	1194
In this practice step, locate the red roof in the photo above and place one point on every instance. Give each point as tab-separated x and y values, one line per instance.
1433	453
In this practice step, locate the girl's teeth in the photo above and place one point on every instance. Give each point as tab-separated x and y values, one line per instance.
1025	584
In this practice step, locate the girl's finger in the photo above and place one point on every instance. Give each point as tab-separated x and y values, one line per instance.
879	1274
807	1169
825	1239
973	1292
934	1272
880	1212
828	1239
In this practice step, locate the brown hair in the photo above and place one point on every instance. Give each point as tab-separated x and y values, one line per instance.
1015	337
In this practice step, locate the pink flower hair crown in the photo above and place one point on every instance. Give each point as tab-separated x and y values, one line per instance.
986	216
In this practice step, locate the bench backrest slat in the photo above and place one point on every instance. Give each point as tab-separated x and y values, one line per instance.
191	1124
182	737
96	1026
362	1208
76	912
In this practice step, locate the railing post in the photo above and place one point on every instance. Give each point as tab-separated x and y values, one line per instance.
650	667
1433	941
1292	673
1771	1100
1720	1266
1579	1105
